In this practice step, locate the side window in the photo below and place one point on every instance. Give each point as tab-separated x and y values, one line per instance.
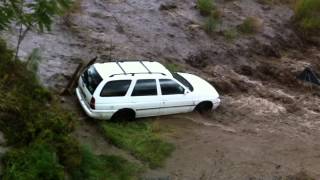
145	87
169	87
115	88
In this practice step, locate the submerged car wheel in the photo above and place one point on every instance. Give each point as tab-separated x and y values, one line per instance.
204	107
124	115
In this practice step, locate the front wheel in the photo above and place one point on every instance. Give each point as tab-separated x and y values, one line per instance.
204	107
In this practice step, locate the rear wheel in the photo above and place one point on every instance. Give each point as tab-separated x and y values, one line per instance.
204	107
124	115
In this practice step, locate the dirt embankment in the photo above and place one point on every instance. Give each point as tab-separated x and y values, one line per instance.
267	126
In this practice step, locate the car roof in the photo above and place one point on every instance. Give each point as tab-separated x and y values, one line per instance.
129	68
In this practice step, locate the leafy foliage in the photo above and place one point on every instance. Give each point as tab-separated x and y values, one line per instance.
307	17
138	138
38	131
37	13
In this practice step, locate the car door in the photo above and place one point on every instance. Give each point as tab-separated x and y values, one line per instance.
145	98
175	98
113	96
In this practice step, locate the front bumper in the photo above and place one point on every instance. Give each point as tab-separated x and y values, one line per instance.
216	103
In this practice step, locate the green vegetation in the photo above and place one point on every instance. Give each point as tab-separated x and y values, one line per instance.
37	161
139	139
213	15
307	17
231	34
205	7
250	25
38	131
31	120
172	67
104	167
211	24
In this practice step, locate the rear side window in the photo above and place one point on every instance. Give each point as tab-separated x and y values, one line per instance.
145	87
91	79
169	87
115	88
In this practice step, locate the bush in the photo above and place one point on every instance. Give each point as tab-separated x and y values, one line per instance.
37	161
139	139
31	119
211	24
307	17
230	34
250	25
205	7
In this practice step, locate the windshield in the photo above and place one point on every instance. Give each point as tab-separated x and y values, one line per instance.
183	81
91	79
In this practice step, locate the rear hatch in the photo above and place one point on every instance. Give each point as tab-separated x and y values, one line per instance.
88	82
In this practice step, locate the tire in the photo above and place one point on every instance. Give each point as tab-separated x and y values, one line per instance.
204	107
124	115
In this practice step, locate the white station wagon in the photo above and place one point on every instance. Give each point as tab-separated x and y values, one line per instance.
125	90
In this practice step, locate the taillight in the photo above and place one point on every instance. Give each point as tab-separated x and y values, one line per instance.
93	103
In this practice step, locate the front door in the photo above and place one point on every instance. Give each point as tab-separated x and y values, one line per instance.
174	98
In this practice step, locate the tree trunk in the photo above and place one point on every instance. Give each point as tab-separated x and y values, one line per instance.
22	35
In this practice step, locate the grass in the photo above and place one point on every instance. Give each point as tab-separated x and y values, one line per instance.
231	34
205	7
172	67
102	167
307	17
138	138
37	161
250	25
211	24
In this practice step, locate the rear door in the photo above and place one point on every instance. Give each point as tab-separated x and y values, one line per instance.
174	98
145	98
113	96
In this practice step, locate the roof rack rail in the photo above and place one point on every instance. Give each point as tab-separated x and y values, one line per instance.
138	73
121	67
133	60
141	62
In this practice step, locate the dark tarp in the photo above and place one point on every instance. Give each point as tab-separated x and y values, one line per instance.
310	76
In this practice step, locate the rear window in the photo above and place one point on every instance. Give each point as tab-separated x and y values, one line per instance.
91	79
145	87
115	88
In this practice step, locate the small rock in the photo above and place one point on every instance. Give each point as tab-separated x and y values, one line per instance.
194	26
167	6
62	100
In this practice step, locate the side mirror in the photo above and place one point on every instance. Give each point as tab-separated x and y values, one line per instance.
186	91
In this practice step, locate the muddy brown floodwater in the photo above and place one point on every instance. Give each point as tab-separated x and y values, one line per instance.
268	124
